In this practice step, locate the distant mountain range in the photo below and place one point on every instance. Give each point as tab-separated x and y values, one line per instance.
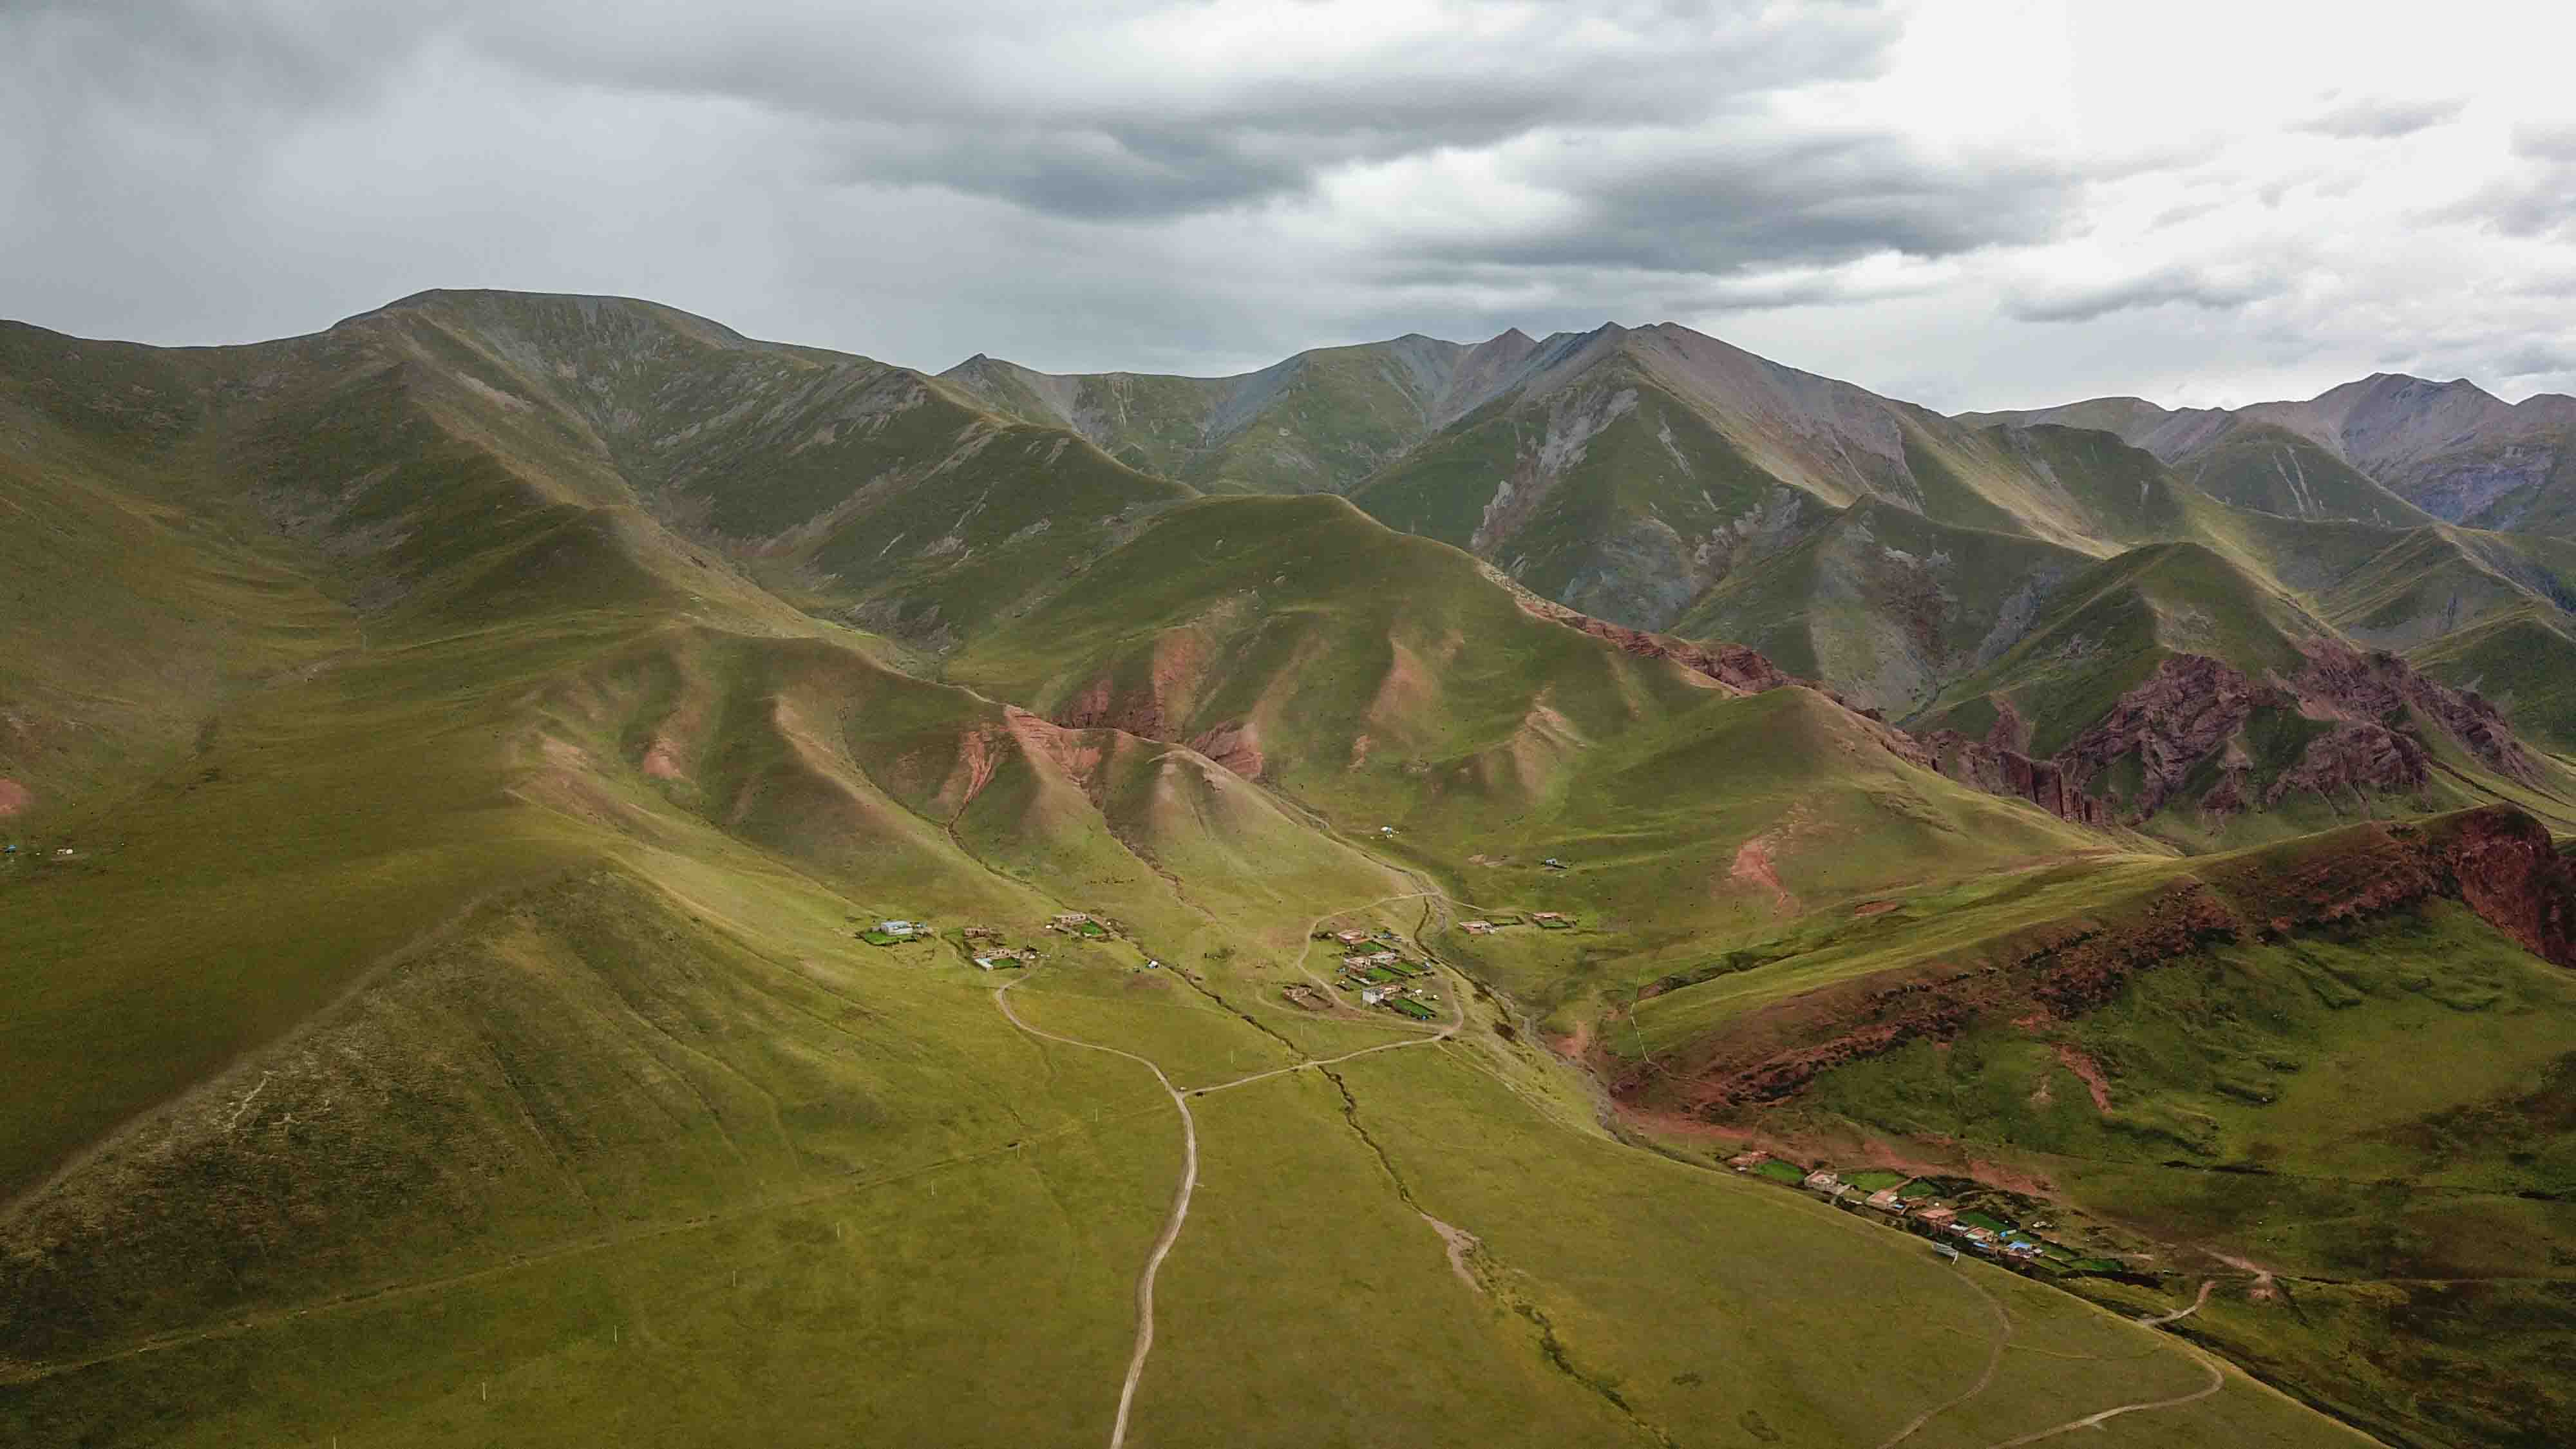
1945	571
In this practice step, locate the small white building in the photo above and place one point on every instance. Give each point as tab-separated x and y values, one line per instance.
1372	995
899	928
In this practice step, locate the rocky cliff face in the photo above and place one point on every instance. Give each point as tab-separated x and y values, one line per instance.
2190	720
2350	759
2190	710
2191	715
2508	870
2378	686
2014	775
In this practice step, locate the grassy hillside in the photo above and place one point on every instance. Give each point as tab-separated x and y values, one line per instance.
2525	662
2272	470
1387	684
1320	421
1610	494
2238	1102
2108	629
1887	605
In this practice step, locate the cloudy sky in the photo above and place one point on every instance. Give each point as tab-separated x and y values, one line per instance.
1972	203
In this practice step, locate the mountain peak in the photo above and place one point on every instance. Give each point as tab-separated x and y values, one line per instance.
560	315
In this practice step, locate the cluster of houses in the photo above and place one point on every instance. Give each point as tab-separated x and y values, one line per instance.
1914	1204
1080	923
1382	975
1544	920
986	947
894	932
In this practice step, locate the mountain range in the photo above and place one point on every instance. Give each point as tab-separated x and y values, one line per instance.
462	766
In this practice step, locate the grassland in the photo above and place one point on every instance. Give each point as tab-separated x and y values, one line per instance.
2244	1108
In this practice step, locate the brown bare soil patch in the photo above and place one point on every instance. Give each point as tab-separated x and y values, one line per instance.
1236	746
2090	1072
1757	865
662	761
1406	690
1875	908
15	797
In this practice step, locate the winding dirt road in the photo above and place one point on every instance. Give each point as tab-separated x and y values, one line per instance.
2216	1382
1171	1226
1190	1145
2186	1310
1994	1361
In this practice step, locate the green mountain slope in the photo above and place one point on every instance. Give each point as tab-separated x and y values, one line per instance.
2219	1063
1632	471
2112	628
2524	662
1887	605
1318	422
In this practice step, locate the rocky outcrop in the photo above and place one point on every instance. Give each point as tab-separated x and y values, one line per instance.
2352	759
2010	773
1103	705
1237	746
2059	971
1741	669
2191	712
2194	710
2377	687
2503	864
2186	712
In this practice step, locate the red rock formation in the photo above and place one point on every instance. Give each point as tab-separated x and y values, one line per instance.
2376	688
2498	861
1740	668
2009	731
2186	712
1104	706
1236	746
2503	864
2350	758
2191	711
2012	774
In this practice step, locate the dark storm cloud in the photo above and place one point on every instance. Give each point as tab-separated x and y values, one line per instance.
2166	287
2378	118
225	54
1099	112
1716	203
